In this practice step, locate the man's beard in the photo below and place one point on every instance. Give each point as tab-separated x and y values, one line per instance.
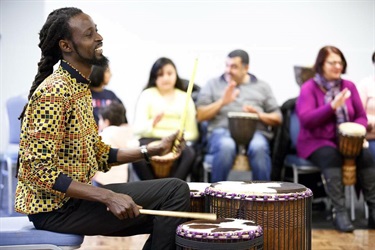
103	61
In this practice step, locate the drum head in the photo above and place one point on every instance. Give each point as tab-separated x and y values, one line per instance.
352	129
272	190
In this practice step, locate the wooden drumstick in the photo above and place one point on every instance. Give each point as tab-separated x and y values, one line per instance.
193	215
184	113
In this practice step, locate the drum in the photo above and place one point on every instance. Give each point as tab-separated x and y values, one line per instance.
197	196
351	137
219	234
242	126
162	165
282	209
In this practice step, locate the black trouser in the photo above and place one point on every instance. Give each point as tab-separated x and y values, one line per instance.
180	169
330	161
92	218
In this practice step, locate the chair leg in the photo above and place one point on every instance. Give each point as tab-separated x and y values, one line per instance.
366	210
1	184
206	169
295	174
352	205
10	185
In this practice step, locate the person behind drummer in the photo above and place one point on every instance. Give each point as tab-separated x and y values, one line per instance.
158	112
60	150
366	91
238	91
101	97
116	132
325	101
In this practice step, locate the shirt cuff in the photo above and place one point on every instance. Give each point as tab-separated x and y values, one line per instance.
112	155
62	183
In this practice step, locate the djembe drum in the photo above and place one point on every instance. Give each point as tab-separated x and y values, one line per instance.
197	196
219	234
283	209
162	165
351	137
242	127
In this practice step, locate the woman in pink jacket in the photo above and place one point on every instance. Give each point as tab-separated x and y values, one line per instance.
326	101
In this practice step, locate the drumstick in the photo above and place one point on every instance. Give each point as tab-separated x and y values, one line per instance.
184	113
193	215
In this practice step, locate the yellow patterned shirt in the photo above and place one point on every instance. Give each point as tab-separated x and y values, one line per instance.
59	136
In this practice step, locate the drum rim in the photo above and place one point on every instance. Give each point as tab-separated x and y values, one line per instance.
252	196
247	115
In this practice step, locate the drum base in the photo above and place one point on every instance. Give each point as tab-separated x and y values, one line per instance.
241	163
235	175
349	172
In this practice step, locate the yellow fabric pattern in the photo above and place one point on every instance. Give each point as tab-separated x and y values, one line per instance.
58	135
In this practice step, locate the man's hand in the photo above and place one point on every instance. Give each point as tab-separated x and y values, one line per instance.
230	93
122	206
249	109
167	144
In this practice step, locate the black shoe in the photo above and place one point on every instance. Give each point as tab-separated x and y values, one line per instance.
342	222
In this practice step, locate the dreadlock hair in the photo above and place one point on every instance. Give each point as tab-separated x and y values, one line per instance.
55	28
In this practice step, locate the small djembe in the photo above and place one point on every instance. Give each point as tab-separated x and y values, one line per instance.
162	165
242	127
351	138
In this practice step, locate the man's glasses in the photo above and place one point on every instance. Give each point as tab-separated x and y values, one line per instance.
334	63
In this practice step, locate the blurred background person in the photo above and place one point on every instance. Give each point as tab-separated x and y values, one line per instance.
158	113
117	133
325	102
101	97
366	90
238	91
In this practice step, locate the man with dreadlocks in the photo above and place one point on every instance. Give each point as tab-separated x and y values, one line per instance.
60	150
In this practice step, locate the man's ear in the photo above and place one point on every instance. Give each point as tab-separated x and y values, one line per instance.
65	46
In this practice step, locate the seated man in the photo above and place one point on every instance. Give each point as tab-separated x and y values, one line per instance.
60	149
238	91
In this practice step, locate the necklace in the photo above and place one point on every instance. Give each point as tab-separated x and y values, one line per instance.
76	70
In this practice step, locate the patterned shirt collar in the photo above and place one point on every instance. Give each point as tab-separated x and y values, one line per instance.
74	72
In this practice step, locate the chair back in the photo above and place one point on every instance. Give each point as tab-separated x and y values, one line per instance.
14	106
294	128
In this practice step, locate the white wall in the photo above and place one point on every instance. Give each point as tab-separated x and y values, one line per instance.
277	35
20	23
